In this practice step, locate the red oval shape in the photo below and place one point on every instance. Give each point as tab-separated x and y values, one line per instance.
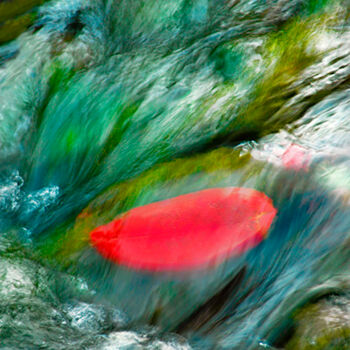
188	231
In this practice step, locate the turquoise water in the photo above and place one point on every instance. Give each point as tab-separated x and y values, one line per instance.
107	105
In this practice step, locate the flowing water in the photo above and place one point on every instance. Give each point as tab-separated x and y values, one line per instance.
106	105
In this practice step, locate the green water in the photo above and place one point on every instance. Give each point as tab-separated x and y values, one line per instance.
106	105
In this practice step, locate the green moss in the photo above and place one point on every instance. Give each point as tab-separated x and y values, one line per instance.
314	332
229	61
14	8
269	83
15	17
59	78
316	6
11	29
119	128
326	339
286	54
70	238
123	196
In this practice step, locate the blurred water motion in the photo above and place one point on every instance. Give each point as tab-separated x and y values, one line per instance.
107	105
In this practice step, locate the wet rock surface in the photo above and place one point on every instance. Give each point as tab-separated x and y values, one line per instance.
110	105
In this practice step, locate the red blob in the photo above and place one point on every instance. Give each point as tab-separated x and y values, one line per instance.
186	232
296	158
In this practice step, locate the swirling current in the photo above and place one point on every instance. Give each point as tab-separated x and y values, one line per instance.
108	105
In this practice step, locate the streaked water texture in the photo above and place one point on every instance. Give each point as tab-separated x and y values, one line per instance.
106	105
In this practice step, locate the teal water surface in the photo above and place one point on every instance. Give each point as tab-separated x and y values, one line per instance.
107	105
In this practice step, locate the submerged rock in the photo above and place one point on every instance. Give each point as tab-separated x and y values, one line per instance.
323	325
